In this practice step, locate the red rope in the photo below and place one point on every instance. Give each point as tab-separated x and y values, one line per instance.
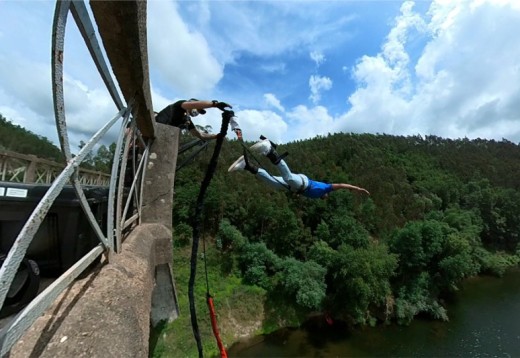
214	326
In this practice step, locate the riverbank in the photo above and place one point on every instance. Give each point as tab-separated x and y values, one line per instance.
483	322
243	311
245	314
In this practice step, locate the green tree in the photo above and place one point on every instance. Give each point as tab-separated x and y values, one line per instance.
323	254
182	234
229	238
447	209
258	265
17	139
433	258
360	280
304	282
344	229
103	159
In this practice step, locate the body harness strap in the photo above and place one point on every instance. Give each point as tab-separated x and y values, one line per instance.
303	187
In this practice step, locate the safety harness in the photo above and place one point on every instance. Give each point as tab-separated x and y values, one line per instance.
247	152
302	187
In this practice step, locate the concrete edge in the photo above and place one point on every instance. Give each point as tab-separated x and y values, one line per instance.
106	313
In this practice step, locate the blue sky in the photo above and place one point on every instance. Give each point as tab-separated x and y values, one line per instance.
291	69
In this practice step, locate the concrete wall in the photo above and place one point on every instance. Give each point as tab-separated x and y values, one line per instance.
105	314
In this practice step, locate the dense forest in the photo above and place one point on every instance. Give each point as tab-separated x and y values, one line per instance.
17	139
440	210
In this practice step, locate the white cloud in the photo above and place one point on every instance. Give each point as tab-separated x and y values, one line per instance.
87	109
159	101
266	28
318	84
453	72
180	59
466	81
26	85
27	80
317	57
278	67
273	101
309	122
267	123
26	97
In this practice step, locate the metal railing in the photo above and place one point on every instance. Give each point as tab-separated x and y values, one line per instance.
129	163
24	168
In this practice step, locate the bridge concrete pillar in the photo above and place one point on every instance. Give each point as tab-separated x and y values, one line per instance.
157	209
160	176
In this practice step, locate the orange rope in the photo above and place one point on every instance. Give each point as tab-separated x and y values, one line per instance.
214	326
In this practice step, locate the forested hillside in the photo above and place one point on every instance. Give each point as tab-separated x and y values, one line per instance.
17	139
20	140
440	210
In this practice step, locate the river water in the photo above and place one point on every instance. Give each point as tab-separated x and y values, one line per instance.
484	322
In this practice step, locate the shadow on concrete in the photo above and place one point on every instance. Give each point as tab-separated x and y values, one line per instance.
52	326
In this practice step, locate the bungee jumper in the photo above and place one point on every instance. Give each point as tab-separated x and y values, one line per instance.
296	183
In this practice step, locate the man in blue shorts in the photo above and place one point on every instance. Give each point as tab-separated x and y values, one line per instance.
297	183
